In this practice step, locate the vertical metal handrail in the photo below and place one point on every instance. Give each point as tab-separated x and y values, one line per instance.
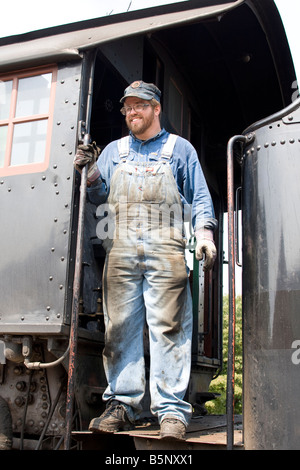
231	289
75	311
77	273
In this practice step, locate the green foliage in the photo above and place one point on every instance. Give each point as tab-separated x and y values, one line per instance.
219	385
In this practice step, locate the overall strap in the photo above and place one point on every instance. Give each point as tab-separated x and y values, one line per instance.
168	147
123	147
167	150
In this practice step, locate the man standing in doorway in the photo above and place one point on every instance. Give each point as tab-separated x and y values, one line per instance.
147	178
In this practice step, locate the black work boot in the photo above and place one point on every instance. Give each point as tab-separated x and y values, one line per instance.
172	429
113	419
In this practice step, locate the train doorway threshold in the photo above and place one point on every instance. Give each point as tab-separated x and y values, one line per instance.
204	433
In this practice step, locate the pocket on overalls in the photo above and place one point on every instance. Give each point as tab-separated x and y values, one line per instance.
154	188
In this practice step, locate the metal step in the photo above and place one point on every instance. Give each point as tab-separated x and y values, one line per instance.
203	433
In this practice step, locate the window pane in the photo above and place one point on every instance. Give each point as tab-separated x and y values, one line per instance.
33	95
3	136
29	142
5	95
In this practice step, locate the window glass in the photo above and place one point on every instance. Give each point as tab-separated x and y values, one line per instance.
33	95
3	138
29	142
26	116
5	98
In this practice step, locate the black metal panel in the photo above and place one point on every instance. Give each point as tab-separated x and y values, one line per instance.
36	222
271	284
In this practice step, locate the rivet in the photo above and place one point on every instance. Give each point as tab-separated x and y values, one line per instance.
52	249
58	315
290	118
258	147
63	144
62	258
47	318
19	401
48	308
62	82
61	287
273	143
22	318
266	145
9	190
43	178
58	123
66	101
56	219
282	142
1	182
51	278
32	186
55	166
64	231
57	192
292	141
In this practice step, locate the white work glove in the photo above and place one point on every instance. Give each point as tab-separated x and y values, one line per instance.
206	246
88	155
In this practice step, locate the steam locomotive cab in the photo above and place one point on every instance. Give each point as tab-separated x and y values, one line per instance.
213	64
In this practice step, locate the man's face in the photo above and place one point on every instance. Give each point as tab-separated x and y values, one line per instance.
140	123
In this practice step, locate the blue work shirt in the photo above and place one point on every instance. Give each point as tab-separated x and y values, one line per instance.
186	170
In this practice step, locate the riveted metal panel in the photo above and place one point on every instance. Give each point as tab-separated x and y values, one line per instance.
36	224
271	280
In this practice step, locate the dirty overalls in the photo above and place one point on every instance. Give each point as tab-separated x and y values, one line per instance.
145	278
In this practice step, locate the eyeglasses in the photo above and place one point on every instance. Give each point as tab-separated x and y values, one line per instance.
136	107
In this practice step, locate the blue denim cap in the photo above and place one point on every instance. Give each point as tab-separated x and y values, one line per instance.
143	90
